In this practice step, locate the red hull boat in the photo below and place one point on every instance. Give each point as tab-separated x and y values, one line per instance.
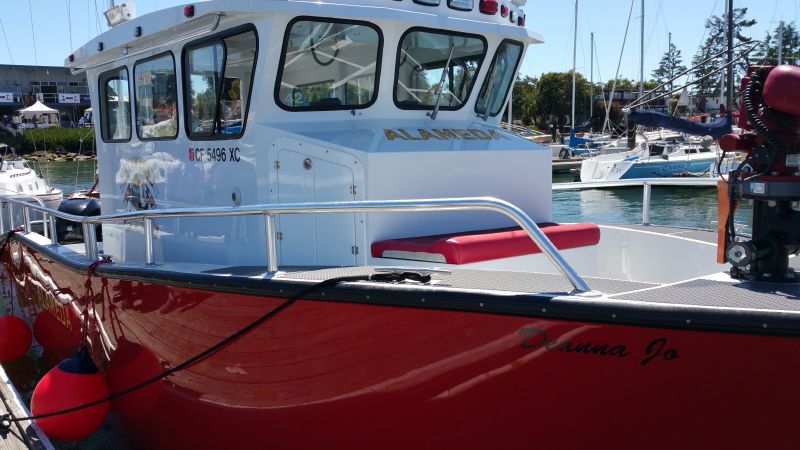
230	291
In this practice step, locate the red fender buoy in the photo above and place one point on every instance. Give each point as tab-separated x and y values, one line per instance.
131	364
15	338
74	382
54	336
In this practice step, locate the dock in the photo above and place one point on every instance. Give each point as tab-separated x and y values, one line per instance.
23	435
566	165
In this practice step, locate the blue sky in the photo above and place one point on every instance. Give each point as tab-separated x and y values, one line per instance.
552	18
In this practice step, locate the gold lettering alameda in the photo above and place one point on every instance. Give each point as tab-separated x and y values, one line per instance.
445	134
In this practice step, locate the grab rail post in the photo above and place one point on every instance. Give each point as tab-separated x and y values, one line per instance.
149	254
26	216
51	223
90	240
269	235
646	191
10	216
2	218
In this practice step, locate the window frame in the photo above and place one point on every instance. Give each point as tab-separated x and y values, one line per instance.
101	88
436	31
489	73
136	99
282	60
220	38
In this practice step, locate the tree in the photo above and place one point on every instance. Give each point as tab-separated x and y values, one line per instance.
716	43
524	97
555	97
615	115
670	65
623	84
767	53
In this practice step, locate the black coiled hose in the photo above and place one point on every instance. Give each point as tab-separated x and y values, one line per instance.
752	99
781	118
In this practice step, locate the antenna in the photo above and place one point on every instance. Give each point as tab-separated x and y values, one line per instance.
729	97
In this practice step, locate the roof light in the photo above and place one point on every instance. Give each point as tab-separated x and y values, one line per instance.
427	2
188	11
488	6
504	11
521	20
512	17
461	5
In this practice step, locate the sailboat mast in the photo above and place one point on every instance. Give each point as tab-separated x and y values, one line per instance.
641	57
591	82
574	54
729	97
780	43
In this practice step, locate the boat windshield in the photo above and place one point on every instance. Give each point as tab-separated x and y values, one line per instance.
421	62
501	74
328	65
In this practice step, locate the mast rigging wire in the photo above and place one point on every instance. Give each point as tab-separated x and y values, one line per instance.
8	47
619	63
640	101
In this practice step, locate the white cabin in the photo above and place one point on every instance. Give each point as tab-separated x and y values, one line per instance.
228	103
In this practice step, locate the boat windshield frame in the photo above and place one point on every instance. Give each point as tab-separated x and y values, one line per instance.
135	118
445	32
489	77
186	88
102	80
333	20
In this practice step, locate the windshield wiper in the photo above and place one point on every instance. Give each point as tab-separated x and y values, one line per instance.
440	87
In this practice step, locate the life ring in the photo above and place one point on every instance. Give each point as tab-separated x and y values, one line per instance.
564	153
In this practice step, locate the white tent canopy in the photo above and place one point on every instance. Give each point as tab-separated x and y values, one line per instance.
36	109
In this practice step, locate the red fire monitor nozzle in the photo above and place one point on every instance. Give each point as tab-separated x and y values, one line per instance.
769	176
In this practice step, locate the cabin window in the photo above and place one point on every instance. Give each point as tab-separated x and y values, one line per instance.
156	96
499	78
428	59
218	77
328	64
115	106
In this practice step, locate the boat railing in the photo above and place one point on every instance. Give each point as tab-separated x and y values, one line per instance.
269	213
646	184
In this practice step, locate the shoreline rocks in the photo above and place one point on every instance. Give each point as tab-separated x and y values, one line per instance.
46	156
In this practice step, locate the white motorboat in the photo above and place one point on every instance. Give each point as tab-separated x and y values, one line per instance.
663	158
17	178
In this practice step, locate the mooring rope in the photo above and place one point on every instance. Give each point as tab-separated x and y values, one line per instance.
8	419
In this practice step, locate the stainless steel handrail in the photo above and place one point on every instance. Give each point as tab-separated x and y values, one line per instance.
26	213
645	183
268	212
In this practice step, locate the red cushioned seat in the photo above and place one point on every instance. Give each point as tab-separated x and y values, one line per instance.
476	246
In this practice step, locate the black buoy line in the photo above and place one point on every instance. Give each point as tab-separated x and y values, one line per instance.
6	420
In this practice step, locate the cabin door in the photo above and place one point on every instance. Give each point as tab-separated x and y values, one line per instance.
315	239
